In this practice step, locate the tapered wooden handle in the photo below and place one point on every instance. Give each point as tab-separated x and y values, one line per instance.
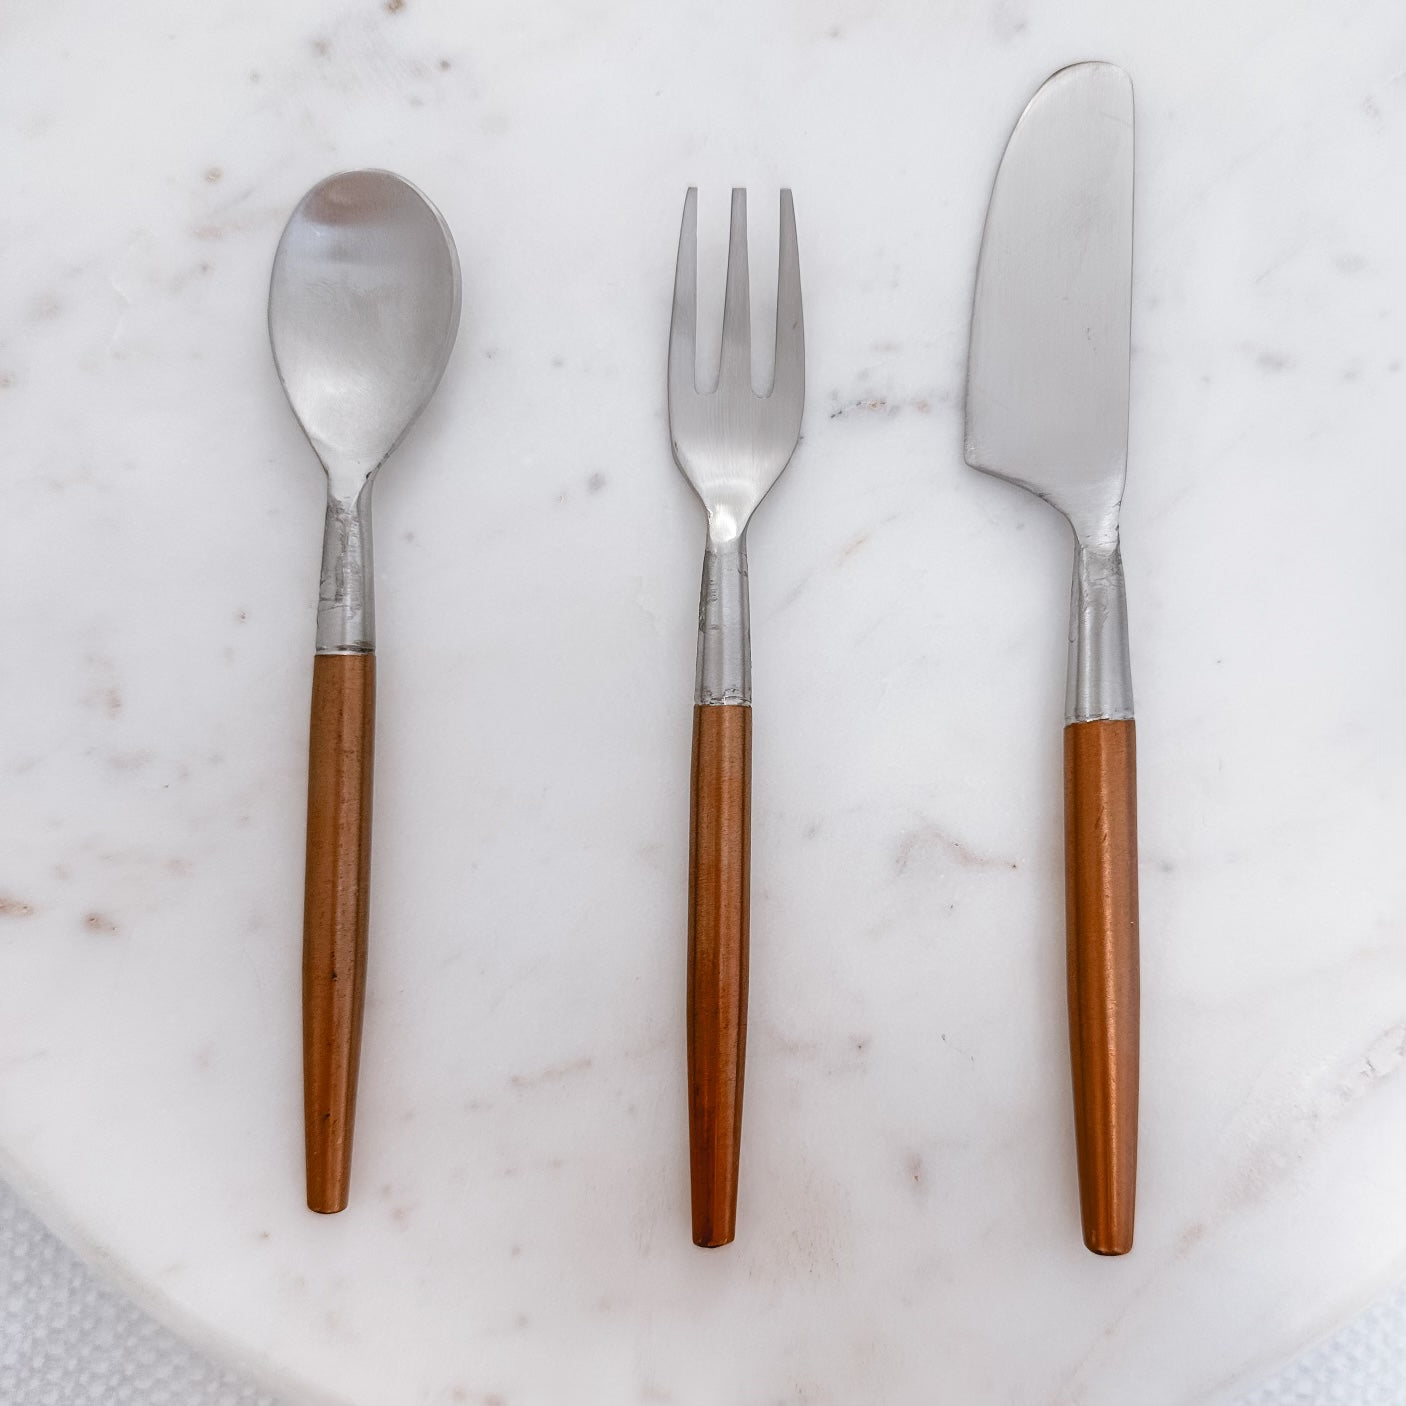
1100	843
334	915
719	872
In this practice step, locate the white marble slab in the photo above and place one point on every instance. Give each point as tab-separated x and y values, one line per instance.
519	1236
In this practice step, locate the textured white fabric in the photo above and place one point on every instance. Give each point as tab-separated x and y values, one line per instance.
1363	1365
67	1339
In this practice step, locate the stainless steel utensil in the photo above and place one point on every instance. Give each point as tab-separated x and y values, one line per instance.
363	312
732	445
1047	408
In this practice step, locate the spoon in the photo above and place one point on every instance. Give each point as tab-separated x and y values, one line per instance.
363	310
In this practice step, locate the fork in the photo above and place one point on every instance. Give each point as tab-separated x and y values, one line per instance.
732	445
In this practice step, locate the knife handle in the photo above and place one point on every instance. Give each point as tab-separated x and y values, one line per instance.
336	900
719	871
1100	850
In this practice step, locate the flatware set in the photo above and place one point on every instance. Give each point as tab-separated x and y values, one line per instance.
363	314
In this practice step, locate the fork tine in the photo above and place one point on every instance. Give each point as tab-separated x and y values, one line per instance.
788	382
683	325
735	366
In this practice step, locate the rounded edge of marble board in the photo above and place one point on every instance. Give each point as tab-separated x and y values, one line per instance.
114	1270
228	1350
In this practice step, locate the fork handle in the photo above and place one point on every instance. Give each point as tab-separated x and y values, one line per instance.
719	864
336	900
1100	826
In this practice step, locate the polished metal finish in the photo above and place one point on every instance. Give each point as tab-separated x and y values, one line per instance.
730	442
363	312
1047	378
346	598
1100	680
724	673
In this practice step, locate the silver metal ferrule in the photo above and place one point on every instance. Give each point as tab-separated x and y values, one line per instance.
1100	672
724	626
346	615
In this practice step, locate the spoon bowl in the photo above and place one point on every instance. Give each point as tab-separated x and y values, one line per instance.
363	312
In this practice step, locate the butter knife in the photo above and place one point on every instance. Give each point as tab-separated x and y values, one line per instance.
1047	408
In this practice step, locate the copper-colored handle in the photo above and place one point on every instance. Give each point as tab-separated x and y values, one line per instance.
719	865
1100	842
334	915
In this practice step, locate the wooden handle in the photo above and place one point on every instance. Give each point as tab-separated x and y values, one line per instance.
1100	845
334	915
719	871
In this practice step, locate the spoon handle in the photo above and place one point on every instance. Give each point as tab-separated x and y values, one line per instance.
1100	841
719	863
336	901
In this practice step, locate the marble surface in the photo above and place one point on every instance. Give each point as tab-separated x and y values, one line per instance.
518	1234
68	1337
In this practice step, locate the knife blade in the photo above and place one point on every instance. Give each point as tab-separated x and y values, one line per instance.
1047	409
